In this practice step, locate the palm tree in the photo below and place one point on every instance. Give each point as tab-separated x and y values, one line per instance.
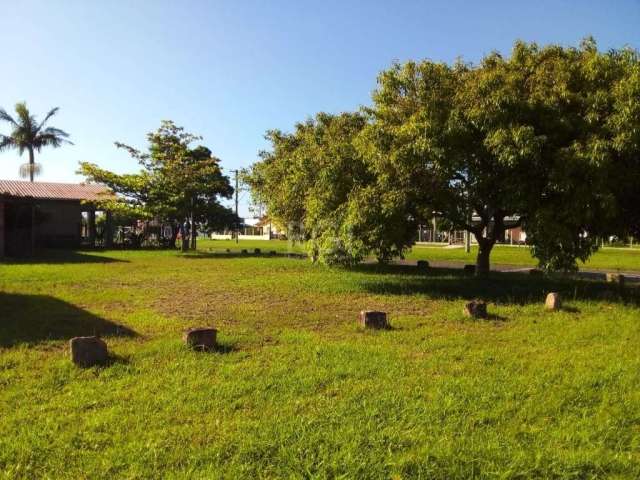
31	136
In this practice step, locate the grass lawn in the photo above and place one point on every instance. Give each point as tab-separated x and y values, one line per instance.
604	259
297	389
613	259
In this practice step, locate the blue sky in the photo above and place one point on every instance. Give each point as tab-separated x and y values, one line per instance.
231	70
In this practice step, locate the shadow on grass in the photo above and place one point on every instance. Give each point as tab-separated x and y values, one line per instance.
508	288
115	359
568	309
238	254
225	348
221	348
60	257
31	319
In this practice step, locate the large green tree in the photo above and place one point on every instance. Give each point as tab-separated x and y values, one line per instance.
590	114
178	182
31	136
542	139
623	148
512	137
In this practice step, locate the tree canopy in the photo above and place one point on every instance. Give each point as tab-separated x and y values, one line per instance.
177	181
308	177
546	138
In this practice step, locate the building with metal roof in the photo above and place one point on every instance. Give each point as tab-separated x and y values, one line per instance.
46	214
54	191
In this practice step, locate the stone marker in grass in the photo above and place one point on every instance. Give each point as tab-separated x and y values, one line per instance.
475	309
615	278
88	351
471	269
373	319
422	265
203	338
553	301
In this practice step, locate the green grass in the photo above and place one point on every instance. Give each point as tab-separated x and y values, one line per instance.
280	246
297	389
613	259
604	259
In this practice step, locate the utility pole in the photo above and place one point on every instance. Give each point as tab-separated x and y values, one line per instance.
237	217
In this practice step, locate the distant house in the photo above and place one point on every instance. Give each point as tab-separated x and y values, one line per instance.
257	228
44	214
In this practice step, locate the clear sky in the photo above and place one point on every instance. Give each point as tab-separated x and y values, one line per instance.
230	70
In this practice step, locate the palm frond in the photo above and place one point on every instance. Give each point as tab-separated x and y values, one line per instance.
6	142
49	140
51	113
27	168
7	118
55	131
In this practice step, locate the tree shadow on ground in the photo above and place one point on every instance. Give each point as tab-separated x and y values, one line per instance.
60	257
221	348
508	288
115	359
226	348
29	319
238	254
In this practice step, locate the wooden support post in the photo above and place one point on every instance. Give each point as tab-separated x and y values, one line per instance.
1	229
108	229
91	226
33	228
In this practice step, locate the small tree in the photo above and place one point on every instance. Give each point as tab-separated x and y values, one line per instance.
30	135
307	178
177	183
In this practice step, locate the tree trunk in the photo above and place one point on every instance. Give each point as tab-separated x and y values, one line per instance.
194	234
482	261
185	239
174	236
32	163
108	230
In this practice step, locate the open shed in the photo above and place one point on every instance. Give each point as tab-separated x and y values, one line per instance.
49	215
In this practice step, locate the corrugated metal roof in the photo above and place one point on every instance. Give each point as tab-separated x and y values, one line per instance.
53	191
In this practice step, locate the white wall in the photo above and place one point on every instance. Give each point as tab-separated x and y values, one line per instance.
215	236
